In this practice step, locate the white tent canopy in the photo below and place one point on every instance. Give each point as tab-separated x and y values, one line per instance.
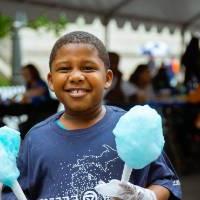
174	14
182	14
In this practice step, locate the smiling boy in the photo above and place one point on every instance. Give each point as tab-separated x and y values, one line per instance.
65	156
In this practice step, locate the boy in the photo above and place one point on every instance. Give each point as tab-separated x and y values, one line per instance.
66	156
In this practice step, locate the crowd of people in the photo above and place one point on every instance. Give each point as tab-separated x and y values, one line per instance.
141	87
179	105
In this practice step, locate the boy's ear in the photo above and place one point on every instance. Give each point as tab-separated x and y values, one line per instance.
50	82
109	78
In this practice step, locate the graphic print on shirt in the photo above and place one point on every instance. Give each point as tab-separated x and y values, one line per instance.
85	175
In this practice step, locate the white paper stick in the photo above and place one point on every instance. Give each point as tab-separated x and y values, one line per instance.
1	187
126	173
17	190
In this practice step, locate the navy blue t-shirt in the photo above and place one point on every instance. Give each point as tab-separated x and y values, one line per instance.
58	164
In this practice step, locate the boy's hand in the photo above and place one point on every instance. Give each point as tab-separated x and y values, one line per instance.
118	190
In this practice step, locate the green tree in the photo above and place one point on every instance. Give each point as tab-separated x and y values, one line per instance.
6	24
43	21
4	81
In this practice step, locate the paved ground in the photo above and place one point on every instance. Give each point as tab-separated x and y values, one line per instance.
191	186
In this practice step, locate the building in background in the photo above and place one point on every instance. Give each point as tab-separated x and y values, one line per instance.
36	45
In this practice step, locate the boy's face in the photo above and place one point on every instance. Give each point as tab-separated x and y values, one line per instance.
78	77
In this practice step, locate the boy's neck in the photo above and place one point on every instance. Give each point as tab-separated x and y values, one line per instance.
83	120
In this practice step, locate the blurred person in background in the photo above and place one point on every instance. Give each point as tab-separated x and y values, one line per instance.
141	82
36	89
161	80
120	89
191	61
35	102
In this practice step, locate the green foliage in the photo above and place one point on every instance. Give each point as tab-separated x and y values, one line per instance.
42	21
4	81
5	25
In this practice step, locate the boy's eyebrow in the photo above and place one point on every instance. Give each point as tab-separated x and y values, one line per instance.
62	61
89	61
59	63
68	62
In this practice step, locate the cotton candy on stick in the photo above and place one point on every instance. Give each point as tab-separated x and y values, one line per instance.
9	148
139	138
1	186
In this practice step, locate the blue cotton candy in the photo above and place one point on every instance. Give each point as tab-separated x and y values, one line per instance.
9	148
139	136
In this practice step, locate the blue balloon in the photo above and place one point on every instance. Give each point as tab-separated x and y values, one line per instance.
9	148
139	136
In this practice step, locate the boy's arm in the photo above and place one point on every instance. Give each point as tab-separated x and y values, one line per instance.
162	174
162	182
161	193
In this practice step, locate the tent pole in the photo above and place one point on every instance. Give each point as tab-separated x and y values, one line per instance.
20	21
106	36
16	57
105	22
182	41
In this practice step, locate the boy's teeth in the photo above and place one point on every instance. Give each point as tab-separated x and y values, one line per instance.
74	91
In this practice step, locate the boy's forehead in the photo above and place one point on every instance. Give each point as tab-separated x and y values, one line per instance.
82	49
78	46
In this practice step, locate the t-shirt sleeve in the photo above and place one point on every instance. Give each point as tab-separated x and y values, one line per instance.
162	173
22	164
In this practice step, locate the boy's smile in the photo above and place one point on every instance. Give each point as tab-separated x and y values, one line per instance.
78	77
77	92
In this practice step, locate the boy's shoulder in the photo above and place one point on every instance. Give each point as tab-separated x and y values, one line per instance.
114	113
44	125
116	110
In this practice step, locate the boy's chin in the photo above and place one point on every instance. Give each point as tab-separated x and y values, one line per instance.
82	110
78	109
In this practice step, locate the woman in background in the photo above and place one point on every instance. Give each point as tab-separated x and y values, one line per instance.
36	89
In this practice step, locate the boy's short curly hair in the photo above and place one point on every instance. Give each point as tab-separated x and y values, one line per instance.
81	37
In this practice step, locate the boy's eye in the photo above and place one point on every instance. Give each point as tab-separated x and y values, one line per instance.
64	69
88	68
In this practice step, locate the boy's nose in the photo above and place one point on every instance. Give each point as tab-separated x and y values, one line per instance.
76	76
